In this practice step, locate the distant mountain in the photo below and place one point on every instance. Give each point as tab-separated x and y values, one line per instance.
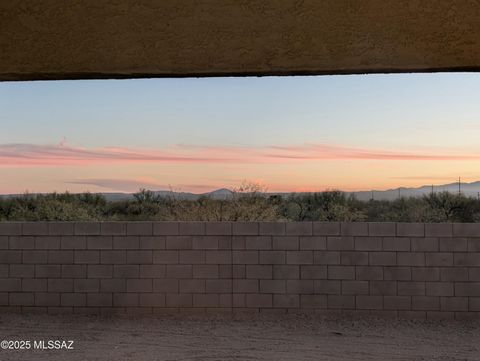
468	189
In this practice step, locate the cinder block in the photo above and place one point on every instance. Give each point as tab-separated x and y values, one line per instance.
192	286
326	228
368	243
272	228
219	286
425	303
438	230
439	259
179	271
139	257
363	302
368	273
205	271
313	272
60	257
244	286
34	285
466	316
86	285
272	286
383	288
466	230
397	302
383	258
382	229
340	302
191	228
425	274
3	242
410	288
52	271
245	257
327	287
126	242
113	228
286	272
354	229
397	273
165	228
205	242
345	243
38	257
99	299
47	242
21	271
238	242
99	242
467	289
113	285
179	300
152	242
326	257
218	228
67	271
299	257
298	228
355	288
473	274
354	258
439	289
152	300
126	271
286	301
179	242
424	244
10	257
21	242
313	243
272	257
165	257
165	285
473	303
139	228
113	257
245	228
224	242
474	244
412	315
259	271
84	257
341	272
73	242
396	244
10	228
455	274
466	259
4	270
60	228
238	271
60	285
259	300
73	299
258	242
218	257
86	228
411	229
313	301
208	300
411	259
454	304
285	243
139	285
152	271
99	271
35	228
300	286
21	299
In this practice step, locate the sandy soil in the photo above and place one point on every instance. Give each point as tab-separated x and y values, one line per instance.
264	338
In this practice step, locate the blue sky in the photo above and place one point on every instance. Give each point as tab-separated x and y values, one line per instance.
413	113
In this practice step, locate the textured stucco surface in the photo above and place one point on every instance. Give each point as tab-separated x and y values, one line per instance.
55	39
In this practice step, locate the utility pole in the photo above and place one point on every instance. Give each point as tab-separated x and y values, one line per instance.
432	189
372	196
459	187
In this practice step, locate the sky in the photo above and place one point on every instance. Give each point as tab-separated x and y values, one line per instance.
309	133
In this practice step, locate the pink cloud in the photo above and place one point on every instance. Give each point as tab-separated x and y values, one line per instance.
60	155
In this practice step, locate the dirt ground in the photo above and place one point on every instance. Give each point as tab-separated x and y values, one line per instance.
262	338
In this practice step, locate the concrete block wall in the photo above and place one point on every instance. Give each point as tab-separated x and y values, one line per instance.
411	270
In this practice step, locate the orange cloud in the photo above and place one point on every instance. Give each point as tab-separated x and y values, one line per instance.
12	155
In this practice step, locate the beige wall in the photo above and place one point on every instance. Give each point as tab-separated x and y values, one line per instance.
56	39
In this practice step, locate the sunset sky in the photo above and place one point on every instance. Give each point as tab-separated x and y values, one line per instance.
356	132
